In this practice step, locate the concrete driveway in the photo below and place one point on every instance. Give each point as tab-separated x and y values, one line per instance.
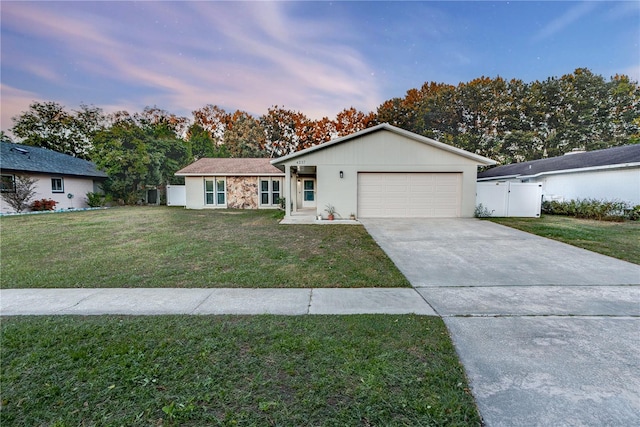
549	334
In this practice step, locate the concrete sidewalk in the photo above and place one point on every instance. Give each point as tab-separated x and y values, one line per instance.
156	301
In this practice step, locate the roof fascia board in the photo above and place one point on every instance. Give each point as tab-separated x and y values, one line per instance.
588	169
49	172
497	177
385	126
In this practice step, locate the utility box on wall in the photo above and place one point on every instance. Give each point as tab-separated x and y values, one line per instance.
504	199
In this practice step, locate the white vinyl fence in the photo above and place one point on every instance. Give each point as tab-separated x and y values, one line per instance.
176	195
503	199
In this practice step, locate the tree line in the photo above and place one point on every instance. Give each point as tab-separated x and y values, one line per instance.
508	121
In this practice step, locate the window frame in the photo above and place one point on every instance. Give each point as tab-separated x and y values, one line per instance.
272	194
217	194
11	180
309	194
54	189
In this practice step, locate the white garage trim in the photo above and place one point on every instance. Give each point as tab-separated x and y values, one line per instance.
409	195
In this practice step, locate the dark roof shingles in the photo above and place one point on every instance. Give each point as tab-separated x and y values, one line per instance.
24	158
605	157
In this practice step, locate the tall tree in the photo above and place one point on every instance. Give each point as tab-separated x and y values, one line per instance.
140	150
87	122
122	152
4	137
350	120
437	116
50	125
286	131
517	121
245	137
161	122
167	150
395	112
214	120
202	145
623	115
481	124
322	130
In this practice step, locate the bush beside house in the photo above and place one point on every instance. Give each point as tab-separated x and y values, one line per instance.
607	210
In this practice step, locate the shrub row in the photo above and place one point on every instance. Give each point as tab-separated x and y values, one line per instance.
607	210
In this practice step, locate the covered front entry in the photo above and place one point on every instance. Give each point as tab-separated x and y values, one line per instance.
409	195
304	189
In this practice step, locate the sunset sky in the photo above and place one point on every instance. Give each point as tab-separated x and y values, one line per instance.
313	57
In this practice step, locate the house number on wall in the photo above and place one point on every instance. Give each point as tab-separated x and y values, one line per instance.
301	162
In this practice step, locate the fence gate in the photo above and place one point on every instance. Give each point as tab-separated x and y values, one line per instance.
176	195
520	199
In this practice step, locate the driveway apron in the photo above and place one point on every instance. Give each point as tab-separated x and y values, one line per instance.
549	334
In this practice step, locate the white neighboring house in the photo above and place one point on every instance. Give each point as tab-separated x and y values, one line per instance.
609	174
60	177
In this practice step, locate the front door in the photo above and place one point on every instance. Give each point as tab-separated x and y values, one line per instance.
308	193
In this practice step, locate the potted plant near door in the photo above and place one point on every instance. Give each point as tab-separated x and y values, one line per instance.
331	211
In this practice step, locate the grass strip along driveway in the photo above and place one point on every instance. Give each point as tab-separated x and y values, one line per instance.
231	370
615	239
173	247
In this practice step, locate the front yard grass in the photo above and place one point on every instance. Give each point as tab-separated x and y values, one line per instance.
616	239
232	370
174	247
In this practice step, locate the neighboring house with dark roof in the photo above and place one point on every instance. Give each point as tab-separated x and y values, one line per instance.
63	178
612	173
246	183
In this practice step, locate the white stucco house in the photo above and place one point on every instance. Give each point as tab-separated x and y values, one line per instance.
608	174
382	171
60	177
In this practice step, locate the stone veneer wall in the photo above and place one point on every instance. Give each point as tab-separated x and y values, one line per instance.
242	192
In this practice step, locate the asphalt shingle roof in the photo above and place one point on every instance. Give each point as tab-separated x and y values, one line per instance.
605	157
24	158
226	166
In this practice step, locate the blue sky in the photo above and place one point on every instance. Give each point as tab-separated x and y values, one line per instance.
314	57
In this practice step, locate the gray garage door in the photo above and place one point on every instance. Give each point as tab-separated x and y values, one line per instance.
409	195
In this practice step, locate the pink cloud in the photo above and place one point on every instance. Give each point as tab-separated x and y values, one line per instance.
14	101
270	57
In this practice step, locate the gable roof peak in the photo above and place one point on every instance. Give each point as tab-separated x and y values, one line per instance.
399	131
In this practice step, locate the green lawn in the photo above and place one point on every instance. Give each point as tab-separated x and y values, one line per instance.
366	370
174	247
616	239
